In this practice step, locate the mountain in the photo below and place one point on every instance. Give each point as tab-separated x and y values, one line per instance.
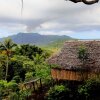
36	39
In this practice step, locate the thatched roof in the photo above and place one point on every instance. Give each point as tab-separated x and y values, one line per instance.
67	58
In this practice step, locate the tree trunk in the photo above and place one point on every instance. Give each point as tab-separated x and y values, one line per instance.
7	68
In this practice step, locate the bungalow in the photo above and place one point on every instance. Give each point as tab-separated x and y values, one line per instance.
71	67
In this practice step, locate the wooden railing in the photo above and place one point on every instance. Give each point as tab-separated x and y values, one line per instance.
33	84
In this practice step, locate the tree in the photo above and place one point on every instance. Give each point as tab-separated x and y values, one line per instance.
16	69
83	57
82	54
28	50
7	88
2	66
90	90
58	92
6	48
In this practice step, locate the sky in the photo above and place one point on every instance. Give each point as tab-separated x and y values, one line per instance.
50	17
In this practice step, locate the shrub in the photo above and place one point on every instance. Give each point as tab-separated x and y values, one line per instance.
90	90
29	66
2	87
12	86
24	94
17	79
28	50
29	76
58	92
6	88
14	96
16	69
43	71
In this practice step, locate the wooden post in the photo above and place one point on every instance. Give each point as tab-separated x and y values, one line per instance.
40	83
53	82
25	86
34	86
30	85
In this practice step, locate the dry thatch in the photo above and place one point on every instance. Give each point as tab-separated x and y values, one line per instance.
68	59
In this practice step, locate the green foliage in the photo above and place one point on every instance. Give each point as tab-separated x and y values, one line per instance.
14	96
16	69
2	66
24	63
29	66
20	58
27	62
83	57
13	86
2	74
82	53
57	44
2	88
21	95
6	48
58	92
7	44
10	91
28	50
54	66
6	88
24	94
90	90
38	59
46	53
29	76
43	71
17	79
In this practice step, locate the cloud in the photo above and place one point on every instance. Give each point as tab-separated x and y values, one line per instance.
49	16
56	32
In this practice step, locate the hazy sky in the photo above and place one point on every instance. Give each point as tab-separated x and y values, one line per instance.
50	17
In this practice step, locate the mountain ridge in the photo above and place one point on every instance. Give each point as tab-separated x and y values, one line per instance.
36	39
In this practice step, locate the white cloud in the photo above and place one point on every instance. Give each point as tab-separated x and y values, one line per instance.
49	16
56	33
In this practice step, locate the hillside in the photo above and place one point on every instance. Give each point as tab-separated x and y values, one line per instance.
36	39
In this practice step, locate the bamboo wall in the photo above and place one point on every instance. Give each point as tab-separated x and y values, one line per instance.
61	74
